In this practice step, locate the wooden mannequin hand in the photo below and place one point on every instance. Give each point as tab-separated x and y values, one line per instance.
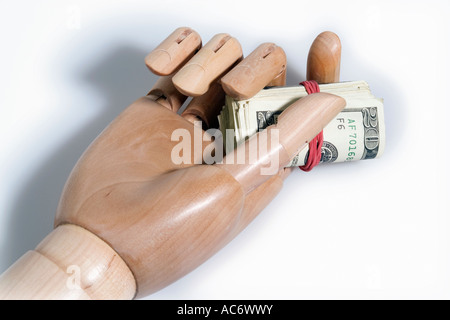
162	218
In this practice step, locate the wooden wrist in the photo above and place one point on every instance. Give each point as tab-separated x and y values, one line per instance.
70	263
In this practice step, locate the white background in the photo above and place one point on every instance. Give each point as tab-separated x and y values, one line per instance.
370	229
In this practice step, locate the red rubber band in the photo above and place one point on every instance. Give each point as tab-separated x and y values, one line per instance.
315	145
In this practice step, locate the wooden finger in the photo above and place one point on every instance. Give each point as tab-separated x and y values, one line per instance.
169	56
165	93
265	64
296	126
216	56
324	58
174	51
207	107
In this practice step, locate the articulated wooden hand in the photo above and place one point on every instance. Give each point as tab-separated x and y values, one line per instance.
131	220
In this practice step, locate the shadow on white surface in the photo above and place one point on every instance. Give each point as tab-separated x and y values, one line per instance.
121	78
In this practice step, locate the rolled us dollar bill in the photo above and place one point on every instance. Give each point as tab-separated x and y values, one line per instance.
357	133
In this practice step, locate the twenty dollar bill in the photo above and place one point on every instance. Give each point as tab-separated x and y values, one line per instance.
357	133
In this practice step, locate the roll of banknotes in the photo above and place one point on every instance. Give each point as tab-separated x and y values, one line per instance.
357	133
